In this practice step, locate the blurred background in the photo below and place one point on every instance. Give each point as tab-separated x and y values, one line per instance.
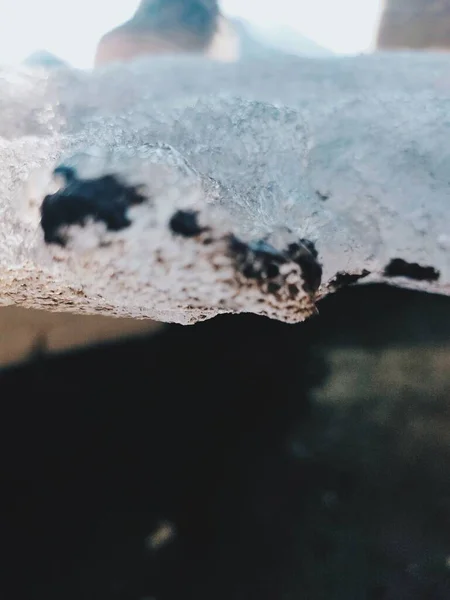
71	30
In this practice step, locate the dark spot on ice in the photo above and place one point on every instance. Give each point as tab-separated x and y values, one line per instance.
293	290
260	260
256	260
305	254
343	279
273	288
310	246
103	199
272	271
185	223
322	196
401	268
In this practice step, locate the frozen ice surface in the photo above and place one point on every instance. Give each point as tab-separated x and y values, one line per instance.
269	163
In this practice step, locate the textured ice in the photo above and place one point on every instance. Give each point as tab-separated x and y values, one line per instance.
351	154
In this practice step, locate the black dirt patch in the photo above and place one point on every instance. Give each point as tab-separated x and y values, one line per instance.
185	223
293	290
401	268
305	254
344	279
260	260
104	199
273	288
256	260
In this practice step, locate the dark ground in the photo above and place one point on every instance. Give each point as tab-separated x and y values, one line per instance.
242	434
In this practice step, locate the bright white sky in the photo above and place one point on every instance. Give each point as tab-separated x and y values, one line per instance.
71	28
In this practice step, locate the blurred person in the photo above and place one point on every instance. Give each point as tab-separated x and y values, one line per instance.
171	27
415	24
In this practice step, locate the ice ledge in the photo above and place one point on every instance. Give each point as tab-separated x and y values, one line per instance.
186	189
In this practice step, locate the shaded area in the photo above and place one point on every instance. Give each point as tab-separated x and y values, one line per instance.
242	437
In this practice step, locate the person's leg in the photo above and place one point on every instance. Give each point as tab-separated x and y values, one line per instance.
171	27
415	24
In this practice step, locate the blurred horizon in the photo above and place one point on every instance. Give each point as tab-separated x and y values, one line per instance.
28	26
